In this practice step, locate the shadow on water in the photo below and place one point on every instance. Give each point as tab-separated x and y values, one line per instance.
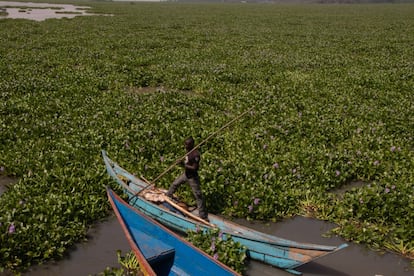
99	252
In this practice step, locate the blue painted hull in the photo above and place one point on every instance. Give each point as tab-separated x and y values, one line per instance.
282	253
158	249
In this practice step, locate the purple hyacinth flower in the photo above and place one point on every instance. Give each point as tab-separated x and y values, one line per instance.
213	246
12	228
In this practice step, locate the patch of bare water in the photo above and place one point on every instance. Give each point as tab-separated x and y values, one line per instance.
349	186
5	182
41	11
91	257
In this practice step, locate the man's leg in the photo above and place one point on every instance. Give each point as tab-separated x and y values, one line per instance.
174	186
195	186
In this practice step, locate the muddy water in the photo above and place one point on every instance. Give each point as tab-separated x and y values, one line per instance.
353	260
100	251
41	11
5	182
91	257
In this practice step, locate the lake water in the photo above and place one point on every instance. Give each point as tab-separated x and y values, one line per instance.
355	260
5	182
42	11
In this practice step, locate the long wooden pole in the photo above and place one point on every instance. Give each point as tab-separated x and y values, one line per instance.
199	145
152	183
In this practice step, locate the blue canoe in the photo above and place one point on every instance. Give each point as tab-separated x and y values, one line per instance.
160	251
279	252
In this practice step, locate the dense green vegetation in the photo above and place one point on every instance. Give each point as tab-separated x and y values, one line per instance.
331	88
220	247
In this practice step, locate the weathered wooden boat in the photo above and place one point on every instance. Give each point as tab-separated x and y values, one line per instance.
279	252
160	251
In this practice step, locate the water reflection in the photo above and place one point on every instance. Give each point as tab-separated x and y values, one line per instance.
41	11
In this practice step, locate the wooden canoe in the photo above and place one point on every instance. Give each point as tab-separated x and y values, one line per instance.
160	251
279	252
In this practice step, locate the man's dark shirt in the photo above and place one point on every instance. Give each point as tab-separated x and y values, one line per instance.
192	159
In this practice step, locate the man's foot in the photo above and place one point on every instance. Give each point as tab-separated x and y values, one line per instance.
172	197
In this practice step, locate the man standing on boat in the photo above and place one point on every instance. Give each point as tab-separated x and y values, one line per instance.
190	175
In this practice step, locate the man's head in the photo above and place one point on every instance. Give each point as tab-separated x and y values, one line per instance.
189	143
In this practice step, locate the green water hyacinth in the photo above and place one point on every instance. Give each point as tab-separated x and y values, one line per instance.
129	266
330	87
220	247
